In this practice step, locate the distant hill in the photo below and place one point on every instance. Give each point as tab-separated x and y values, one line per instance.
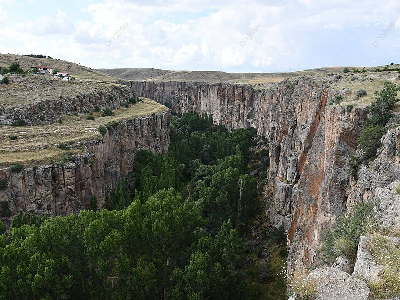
76	70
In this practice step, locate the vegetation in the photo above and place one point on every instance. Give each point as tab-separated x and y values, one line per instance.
5	80
63	146
346	70
38	56
361	93
180	234
132	100
16	168
344	238
19	122
107	113
386	253
102	129
374	127
15	68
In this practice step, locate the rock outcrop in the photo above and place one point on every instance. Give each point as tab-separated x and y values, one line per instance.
40	99
58	189
310	145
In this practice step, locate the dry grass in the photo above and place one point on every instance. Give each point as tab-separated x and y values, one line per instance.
75	70
34	88
370	81
386	253
39	143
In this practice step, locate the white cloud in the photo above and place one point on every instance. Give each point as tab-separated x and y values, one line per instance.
206	34
47	24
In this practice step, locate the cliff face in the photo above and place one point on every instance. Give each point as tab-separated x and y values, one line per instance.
64	189
38	99
310	144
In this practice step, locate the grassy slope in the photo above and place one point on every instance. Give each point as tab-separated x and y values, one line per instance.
36	144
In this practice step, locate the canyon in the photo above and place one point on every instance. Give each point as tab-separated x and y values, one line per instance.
312	137
312	121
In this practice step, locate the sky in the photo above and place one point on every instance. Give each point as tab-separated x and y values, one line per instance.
231	36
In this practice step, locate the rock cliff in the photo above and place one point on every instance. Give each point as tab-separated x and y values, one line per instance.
310	145
61	189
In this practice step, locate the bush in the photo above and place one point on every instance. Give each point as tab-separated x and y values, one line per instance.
5	70
63	146
370	141
16	168
338	99
15	68
19	122
361	93
374	127
107	113
2	228
354	164
132	100
344	238
102	130
96	109
13	137
90	118
5	80
346	70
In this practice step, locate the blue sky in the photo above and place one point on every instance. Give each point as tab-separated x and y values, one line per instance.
233	36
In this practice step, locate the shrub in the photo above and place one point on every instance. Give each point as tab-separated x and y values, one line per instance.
168	104
64	160
60	121
5	70
346	70
97	109
354	164
344	238
338	99
374	127
5	80
19	122
13	137
370	141
15	68
2	228
102	130
63	146
90	118
132	100
3	183
361	93
16	168
42	118
107	113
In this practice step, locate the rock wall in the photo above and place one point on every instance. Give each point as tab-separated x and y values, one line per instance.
310	145
65	189
49	107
